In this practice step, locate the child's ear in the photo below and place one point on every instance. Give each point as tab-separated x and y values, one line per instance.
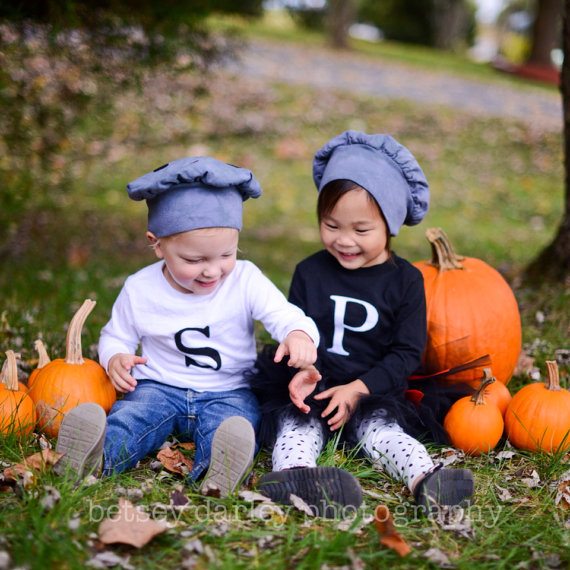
154	243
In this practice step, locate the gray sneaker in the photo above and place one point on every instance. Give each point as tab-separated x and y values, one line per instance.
81	439
330	492
443	487
233	447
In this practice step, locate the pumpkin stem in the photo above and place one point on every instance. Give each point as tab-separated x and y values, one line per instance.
73	354
442	255
10	371
42	352
553	380
479	397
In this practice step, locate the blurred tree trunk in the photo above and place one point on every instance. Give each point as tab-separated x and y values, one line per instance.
450	23
544	32
340	16
553	263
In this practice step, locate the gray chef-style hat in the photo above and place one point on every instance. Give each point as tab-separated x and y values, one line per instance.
193	193
383	167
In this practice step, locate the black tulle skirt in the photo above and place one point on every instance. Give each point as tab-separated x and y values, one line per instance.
419	410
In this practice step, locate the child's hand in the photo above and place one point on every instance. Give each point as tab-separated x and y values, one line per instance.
300	348
119	371
343	399
303	384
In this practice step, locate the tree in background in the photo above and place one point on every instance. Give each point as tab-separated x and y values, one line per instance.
446	24
545	32
340	16
553	263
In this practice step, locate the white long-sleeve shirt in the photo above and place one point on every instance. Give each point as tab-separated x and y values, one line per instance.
200	342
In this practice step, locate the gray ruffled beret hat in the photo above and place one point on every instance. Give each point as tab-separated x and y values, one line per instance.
193	193
383	167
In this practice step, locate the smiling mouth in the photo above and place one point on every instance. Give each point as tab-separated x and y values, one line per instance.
345	255
208	284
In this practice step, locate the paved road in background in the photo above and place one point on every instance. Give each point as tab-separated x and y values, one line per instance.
320	67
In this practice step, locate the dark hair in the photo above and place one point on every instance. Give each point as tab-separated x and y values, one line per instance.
334	190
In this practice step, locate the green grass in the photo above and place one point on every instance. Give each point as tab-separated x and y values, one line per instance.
497	190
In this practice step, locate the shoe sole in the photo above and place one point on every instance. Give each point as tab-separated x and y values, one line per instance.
233	447
330	492
81	439
446	487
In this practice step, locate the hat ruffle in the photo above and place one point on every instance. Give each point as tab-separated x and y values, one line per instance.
204	171
401	157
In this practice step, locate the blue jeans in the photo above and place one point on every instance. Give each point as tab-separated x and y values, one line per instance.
144	419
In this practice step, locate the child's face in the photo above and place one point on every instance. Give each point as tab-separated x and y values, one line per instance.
354	232
199	260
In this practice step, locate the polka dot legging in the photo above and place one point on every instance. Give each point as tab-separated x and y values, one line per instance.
299	443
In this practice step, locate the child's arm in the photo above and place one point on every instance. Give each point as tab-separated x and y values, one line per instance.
343	399
300	348
119	371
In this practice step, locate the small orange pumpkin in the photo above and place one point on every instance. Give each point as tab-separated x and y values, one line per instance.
538	417
63	384
42	360
17	410
496	392
473	424
471	312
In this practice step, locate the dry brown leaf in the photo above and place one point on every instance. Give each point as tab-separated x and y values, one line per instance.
36	462
175	461
301	505
387	532
253	497
563	494
178	499
132	525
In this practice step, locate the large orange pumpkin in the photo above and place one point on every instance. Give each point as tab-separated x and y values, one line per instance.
473	424
63	384
538	417
17	410
471	312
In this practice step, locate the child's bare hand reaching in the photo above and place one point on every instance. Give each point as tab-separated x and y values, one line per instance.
300	348
302	385
343	399
119	371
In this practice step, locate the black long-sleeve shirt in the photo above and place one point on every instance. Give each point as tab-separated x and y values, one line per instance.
372	320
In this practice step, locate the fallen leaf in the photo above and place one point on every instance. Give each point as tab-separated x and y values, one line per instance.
563	495
299	504
175	461
109	559
178	499
454	518
253	497
504	495
438	557
36	462
389	537
532	481
449	455
505	455
266	511
132	525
